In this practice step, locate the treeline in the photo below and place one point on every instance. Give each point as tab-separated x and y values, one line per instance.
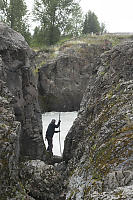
57	19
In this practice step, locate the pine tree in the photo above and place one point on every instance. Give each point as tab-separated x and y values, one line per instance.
91	23
103	28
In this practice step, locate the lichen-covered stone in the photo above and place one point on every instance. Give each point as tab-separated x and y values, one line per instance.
10	130
98	151
99	146
41	181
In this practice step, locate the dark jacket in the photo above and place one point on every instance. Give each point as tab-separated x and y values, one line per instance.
51	129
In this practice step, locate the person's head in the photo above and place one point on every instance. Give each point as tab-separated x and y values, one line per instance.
53	121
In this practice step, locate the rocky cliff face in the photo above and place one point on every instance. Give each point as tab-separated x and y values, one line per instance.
16	71
62	82
10	130
99	146
20	126
98	150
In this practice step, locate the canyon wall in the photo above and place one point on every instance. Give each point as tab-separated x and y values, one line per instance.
63	80
16	71
98	150
99	147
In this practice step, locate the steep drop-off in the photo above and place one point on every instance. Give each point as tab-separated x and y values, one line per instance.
63	80
98	151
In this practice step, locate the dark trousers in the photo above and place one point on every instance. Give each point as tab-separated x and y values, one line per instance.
50	144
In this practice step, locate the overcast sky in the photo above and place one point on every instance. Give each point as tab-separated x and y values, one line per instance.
117	15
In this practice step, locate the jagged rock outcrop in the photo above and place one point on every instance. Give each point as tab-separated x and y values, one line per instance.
99	146
16	71
62	82
42	181
20	127
10	186
98	150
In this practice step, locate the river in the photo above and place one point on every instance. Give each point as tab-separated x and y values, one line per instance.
67	119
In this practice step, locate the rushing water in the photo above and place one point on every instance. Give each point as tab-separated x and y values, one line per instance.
67	119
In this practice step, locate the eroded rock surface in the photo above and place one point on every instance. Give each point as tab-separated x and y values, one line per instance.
10	130
99	146
16	71
62	81
98	151
41	181
21	126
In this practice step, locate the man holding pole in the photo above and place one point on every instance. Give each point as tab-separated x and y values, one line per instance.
50	133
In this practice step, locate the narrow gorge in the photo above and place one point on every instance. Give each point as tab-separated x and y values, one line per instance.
95	79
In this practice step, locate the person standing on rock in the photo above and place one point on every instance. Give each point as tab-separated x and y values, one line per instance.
50	133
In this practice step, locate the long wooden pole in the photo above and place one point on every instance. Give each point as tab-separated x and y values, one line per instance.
59	137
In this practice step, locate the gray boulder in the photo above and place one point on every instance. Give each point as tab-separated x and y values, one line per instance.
16	71
41	181
99	146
